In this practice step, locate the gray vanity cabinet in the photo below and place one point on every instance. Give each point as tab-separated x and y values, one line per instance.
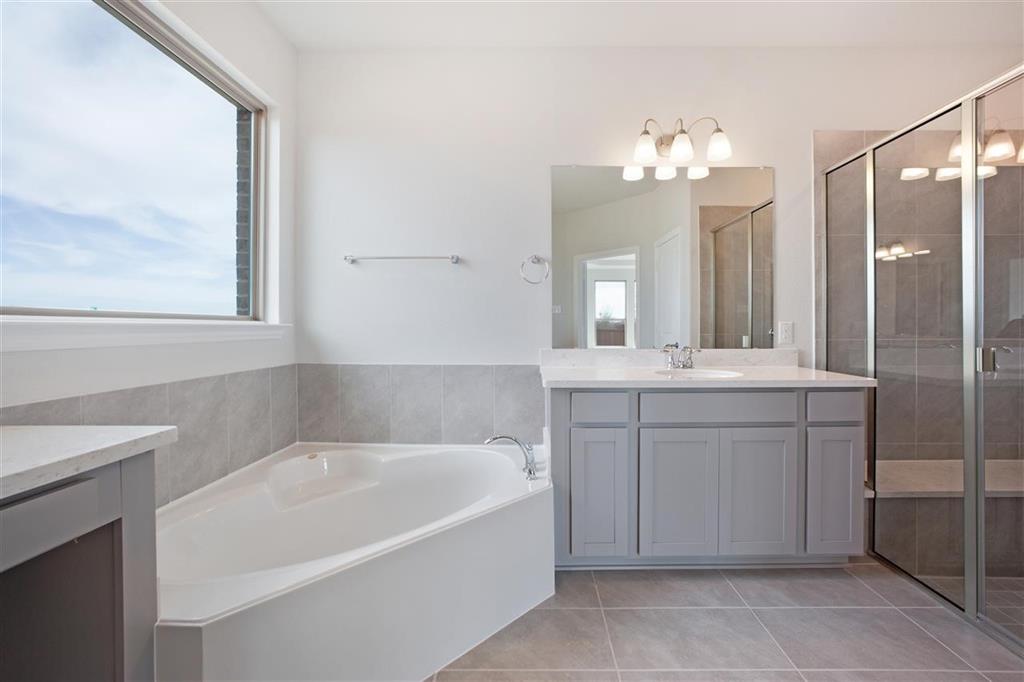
757	491
835	475
678	492
599	480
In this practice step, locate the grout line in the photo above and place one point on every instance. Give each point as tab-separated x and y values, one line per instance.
607	632
919	626
761	623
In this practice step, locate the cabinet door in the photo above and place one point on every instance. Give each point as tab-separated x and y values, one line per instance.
835	490
678	492
757	491
598	489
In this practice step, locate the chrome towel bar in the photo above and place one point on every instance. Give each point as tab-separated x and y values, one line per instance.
453	259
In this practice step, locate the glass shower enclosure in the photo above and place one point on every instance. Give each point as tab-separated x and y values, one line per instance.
925	291
741	280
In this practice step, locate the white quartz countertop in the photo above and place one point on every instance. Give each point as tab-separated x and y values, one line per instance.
751	376
31	456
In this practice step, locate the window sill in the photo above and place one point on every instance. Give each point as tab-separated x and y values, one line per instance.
27	333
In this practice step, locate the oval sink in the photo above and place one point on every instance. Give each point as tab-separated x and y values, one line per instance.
698	373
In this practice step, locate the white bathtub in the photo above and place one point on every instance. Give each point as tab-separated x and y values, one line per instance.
350	562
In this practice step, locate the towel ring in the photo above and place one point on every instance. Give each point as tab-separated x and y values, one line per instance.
535	260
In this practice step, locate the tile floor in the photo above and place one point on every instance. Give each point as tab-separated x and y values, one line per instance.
861	622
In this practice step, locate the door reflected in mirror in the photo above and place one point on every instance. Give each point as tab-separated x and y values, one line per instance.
649	263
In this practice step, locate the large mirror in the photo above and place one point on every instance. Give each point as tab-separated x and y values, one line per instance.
647	263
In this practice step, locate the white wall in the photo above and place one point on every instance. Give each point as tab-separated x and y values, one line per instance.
243	42
449	151
636	221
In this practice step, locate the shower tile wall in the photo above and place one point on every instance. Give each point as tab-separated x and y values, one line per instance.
710	217
762	290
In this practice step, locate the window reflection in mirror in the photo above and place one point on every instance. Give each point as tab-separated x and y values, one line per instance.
643	264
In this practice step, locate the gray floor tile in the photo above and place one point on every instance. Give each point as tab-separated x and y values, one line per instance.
802	587
665	588
711	676
893	587
974	646
573	589
691	638
545	639
527	676
856	639
891	676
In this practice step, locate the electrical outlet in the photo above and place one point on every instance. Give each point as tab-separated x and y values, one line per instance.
786	334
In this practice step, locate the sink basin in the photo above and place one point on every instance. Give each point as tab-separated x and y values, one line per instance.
698	373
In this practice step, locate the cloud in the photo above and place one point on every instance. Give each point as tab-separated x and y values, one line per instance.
109	147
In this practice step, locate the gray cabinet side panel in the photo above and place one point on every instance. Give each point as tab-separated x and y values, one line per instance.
598	462
758	491
558	430
138	555
835	473
678	492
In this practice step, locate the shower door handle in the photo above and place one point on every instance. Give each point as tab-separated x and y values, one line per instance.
988	360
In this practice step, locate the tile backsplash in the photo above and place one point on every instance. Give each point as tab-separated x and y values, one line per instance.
227	421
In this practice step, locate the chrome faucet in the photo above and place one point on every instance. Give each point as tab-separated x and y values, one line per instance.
527	448
679	358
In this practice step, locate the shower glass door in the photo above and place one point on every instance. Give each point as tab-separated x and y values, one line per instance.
919	358
1000	391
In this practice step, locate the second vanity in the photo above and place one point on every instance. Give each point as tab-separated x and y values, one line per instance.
719	464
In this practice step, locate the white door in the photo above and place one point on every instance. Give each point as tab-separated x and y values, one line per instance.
667	294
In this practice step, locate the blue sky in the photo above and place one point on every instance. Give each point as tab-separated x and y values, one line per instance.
117	169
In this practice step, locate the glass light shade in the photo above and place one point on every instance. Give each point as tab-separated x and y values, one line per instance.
897	248
1020	154
881	252
682	148
956	149
914	173
905	255
719	148
665	172
646	151
697	172
922	252
948	173
632	173
890	258
986	172
999	147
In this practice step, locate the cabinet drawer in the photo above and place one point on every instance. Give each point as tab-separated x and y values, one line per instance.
600	407
731	408
835	406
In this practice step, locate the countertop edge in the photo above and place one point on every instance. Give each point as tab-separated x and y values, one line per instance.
57	470
707	383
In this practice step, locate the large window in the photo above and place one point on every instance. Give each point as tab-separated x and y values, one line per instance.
128	172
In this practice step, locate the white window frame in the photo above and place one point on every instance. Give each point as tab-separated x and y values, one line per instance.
28	329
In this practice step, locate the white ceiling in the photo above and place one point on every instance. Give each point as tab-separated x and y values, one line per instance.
335	25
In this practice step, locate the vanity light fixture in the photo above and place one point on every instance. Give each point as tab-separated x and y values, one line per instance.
888	258
897	248
697	172
947	173
905	255
956	149
881	252
665	172
632	173
1020	154
914	173
677	145
922	252
1000	146
986	172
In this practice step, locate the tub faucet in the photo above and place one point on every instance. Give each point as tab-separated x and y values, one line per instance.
527	448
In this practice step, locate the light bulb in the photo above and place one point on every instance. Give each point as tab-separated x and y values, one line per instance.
914	173
646	151
632	173
948	173
697	172
999	147
897	248
956	149
986	172
719	148
881	252
665	172
682	148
